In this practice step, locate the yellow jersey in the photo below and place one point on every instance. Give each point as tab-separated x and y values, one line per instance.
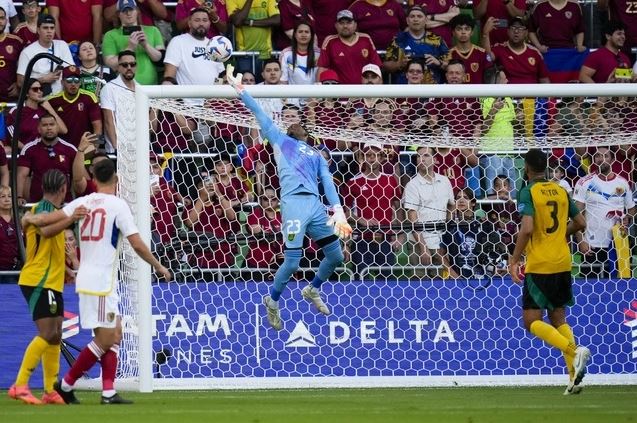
550	206
44	265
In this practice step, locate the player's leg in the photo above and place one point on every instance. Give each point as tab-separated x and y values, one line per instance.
51	362
109	339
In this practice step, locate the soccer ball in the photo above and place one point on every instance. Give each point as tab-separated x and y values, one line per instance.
219	49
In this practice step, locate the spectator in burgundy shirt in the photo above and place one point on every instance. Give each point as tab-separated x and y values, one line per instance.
474	58
10	46
324	12
347	52
600	65
44	153
9	256
557	24
521	62
28	30
216	11
34	107
500	10
380	20
624	11
164	201
77	20
79	109
373	198
265	223
292	12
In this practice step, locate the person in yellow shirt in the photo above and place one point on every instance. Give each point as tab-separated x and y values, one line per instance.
545	208
42	282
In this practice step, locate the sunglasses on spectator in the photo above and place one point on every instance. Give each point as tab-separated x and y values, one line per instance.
128	64
36	89
73	79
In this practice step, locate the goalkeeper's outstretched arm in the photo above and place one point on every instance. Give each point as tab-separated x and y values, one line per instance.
268	128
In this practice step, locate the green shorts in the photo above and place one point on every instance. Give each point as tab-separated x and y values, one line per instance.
547	291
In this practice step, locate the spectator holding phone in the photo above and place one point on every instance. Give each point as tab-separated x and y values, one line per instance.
145	41
600	66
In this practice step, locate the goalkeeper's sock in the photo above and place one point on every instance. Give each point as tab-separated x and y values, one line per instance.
551	336
85	360
333	258
31	359
109	368
566	331
291	262
50	366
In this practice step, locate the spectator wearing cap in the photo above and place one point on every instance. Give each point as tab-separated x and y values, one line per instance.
47	72
417	43
600	65
439	14
557	24
475	58
373	198
145	41
79	109
502	11
253	23
11	46
12	15
380	20
78	20
28	30
328	112
522	63
217	14
324	12
347	52
150	12
371	75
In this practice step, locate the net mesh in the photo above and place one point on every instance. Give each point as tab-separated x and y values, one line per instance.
432	259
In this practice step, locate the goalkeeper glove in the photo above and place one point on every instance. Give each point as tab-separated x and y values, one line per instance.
234	80
342	229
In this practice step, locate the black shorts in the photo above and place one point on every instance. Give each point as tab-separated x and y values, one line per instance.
43	302
547	291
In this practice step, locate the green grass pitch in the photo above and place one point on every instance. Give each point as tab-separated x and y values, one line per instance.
467	405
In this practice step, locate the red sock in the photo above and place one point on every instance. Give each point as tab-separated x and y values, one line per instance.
87	358
109	368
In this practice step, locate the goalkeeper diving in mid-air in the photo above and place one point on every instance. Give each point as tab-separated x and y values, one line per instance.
300	169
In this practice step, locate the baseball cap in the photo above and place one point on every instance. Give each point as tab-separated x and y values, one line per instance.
328	75
26	2
46	19
370	67
369	146
71	71
517	20
126	4
345	14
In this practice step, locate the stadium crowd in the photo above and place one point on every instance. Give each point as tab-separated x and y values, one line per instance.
452	209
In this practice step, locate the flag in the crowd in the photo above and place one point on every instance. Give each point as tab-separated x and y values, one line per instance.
564	64
538	116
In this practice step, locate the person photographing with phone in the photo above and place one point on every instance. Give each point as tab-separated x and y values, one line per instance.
145	41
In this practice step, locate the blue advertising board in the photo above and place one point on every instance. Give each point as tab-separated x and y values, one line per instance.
392	328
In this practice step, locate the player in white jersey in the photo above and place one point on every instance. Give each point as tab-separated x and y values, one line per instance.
606	199
108	221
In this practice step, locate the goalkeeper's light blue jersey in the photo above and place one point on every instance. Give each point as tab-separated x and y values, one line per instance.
300	166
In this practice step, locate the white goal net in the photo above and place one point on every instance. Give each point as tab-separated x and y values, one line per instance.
429	177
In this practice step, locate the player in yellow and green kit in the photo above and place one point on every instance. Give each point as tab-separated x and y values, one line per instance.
545	208
42	282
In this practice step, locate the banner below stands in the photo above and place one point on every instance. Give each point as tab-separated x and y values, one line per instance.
393	328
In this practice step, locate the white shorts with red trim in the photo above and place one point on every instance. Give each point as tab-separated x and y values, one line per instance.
99	311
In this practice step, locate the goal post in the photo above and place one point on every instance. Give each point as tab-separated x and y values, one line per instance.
198	334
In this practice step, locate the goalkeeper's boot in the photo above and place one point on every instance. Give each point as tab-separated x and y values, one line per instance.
274	314
23	393
67	396
52	398
313	294
115	399
573	389
582	355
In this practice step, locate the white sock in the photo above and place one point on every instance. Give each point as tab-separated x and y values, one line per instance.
109	393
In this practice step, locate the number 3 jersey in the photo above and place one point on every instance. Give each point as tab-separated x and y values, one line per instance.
550	206
101	231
